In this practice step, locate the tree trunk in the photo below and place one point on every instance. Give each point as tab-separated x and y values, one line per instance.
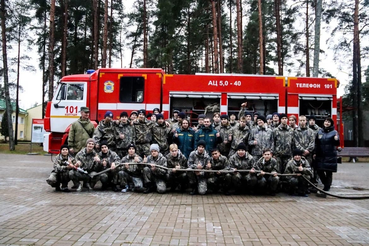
207	67
261	38
277	5
64	43
307	49
145	34
318	17
220	36
51	49
5	73
110	45
215	37
105	35
239	37
43	65
96	34
17	96
230	37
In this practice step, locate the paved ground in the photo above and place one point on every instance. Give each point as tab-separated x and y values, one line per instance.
31	213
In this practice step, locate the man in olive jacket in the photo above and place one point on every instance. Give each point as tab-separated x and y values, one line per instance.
80	131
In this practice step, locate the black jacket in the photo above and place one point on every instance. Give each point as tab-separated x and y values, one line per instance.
325	149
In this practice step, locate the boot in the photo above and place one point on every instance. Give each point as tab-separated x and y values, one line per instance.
149	188
193	189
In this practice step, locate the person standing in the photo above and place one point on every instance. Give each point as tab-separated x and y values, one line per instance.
143	134
105	131
326	142
260	138
80	131
184	137
124	135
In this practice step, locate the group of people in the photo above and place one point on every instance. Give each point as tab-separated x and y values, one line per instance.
222	154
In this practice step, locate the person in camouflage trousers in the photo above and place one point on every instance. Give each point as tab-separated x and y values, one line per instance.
105	131
198	159
304	139
283	142
80	131
130	175
155	176
124	134
242	160
176	160
216	180
143	134
62	165
225	134
161	133
260	138
108	159
300	167
267	183
240	134
87	160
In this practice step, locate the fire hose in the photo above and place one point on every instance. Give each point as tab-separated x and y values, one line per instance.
233	171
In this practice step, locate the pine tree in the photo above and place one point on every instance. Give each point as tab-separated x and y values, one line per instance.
4	126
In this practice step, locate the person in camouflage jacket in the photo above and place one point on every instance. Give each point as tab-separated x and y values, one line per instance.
260	138
242	160
267	183
161	134
154	176
283	143
198	159
225	132
62	165
240	134
87	160
130	175
300	167
176	160
108	159
80	131
304	139
143	134
216	180
105	131
124	134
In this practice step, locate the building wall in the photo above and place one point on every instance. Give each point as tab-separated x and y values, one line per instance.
21	124
33	113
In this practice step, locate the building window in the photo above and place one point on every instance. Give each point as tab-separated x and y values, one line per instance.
1	117
20	120
21	134
13	119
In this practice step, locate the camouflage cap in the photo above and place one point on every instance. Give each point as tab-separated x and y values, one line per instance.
85	109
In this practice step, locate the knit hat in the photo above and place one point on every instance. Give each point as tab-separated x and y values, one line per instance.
297	152
134	112
201	142
242	146
175	111
224	116
154	147
181	115
269	117
330	120
103	142
312	117
156	109
256	113
64	146
260	117
248	113
90	140
159	116
201	116
142	111
282	116
123	114
275	113
108	114
132	145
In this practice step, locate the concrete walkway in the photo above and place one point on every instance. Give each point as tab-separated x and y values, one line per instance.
32	213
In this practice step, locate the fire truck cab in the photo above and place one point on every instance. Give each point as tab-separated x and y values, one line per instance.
130	90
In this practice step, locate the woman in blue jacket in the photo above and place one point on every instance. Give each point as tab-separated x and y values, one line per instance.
326	143
185	138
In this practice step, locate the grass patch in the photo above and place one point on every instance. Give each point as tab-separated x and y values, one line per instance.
22	148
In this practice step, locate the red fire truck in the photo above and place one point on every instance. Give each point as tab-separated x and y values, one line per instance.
129	90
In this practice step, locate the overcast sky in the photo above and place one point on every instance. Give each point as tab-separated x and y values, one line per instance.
32	81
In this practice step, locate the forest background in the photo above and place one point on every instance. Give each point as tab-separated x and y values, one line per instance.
53	38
